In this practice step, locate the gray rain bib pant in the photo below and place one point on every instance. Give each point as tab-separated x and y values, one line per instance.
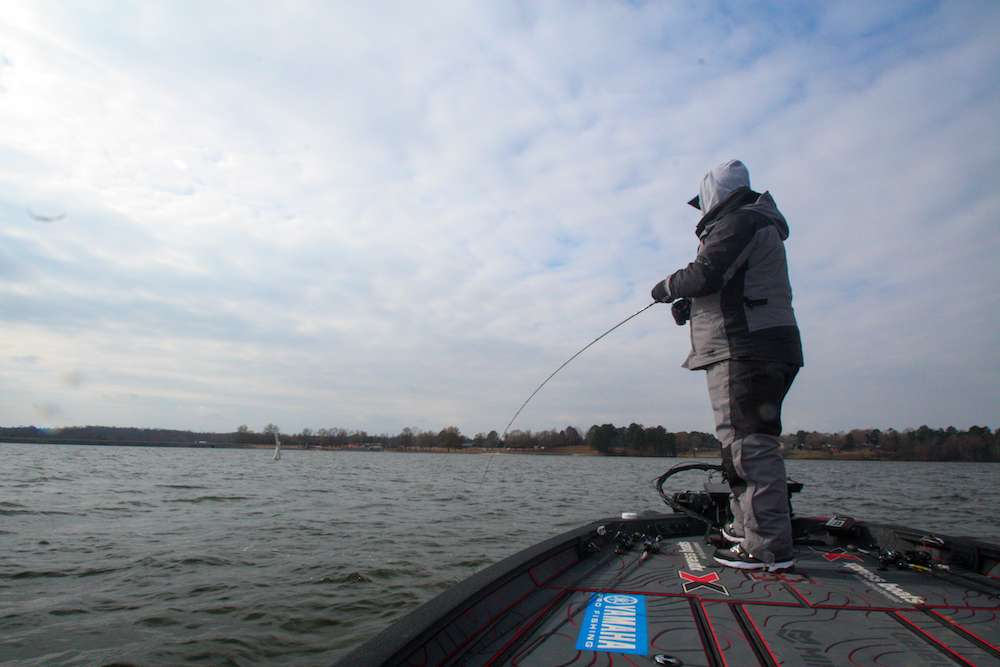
746	399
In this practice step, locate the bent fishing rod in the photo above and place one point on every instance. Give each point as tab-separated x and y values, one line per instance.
562	366
567	362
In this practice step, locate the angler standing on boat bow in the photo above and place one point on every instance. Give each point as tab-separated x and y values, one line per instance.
738	299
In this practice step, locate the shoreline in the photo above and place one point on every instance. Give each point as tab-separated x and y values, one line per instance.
791	455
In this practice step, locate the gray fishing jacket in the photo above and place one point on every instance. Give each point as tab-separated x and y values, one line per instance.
741	299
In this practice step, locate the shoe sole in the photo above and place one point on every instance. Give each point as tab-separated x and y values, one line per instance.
743	565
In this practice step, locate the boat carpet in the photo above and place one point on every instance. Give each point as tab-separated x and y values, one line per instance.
836	608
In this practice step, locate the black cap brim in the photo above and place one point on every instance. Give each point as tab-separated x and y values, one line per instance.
696	202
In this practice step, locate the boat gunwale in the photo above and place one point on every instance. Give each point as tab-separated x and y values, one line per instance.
406	633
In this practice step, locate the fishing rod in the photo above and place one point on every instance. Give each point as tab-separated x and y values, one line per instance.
564	364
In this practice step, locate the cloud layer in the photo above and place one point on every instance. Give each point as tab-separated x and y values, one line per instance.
378	216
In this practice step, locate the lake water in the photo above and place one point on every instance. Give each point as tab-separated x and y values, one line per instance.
171	556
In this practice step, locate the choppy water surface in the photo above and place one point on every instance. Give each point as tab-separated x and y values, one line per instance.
168	556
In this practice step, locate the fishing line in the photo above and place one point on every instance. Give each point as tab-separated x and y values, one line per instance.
564	364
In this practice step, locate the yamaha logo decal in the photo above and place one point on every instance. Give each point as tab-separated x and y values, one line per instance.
614	623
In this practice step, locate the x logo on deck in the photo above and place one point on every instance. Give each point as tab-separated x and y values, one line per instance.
693	582
831	556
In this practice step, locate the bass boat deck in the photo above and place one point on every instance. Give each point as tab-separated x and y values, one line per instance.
645	591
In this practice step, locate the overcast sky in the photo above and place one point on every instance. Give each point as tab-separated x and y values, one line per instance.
378	215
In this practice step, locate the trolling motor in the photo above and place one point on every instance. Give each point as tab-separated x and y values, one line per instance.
711	505
701	505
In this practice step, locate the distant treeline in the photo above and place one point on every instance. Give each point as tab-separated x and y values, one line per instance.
978	443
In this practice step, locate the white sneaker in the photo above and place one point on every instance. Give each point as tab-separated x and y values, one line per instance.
739	558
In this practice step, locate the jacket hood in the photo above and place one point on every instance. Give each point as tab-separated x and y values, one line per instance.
719	183
726	188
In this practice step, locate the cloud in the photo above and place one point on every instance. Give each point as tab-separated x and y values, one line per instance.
375	217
